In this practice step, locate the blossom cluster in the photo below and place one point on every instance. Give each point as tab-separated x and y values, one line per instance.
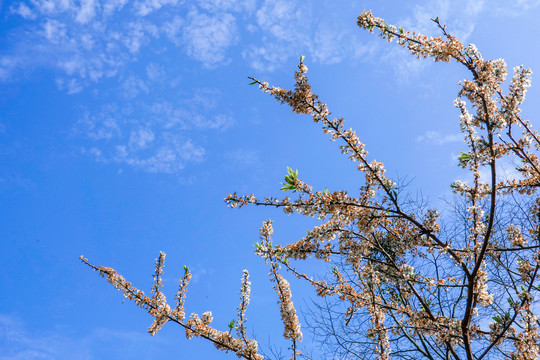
197	326
378	239
414	280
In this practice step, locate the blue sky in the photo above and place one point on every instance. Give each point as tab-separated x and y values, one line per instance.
124	124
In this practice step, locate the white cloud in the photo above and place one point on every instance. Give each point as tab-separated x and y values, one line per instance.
460	16
197	112
111	6
133	86
513	8
157	137
266	57
155	72
219	121
171	157
103	126
86	12
284	28
242	157
170	116
204	98
146	7
138	34
18	342
92	40
284	20
8	64
141	139
71	86
50	7
54	31
227	5
24	11
527	4
436	138
173	29
331	45
86	40
288	29
207	37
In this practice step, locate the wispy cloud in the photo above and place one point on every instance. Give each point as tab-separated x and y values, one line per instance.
242	157
284	27
89	42
331	45
23	10
158	137
459	15
289	29
146	7
514	8
436	138
284	19
168	158
92	40
133	86
151	148
155	72
527	4
17	342
86	11
207	37
461	18
219	6
103	126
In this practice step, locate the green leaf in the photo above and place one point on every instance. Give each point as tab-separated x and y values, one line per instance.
231	324
287	187
252	83
497	318
463	156
510	301
289	180
292	173
302	58
186	269
401	30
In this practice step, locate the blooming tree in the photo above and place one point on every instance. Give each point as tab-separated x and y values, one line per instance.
454	287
